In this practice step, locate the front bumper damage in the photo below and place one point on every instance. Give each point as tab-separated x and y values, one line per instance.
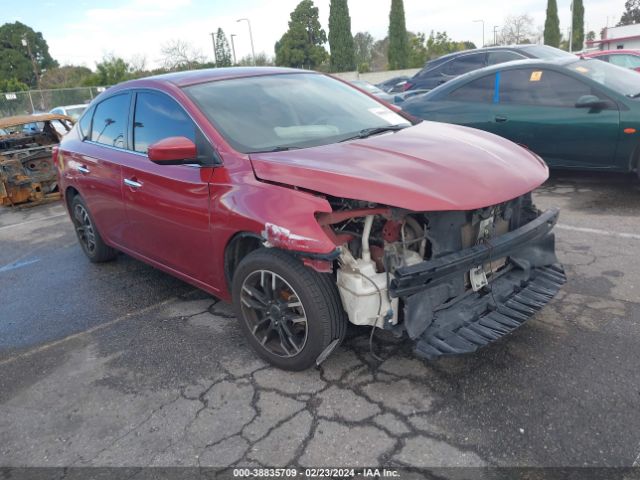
446	317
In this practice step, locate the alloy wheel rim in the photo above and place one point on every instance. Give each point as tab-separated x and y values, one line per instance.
274	313
84	228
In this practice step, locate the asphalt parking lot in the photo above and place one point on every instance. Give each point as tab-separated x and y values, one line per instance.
122	365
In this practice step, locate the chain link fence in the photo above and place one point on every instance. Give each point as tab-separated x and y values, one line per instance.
34	101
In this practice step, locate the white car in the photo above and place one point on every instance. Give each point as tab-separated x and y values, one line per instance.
73	111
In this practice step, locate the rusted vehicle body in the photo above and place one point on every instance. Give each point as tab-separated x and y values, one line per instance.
27	172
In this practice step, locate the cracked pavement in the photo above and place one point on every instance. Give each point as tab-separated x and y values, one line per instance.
122	365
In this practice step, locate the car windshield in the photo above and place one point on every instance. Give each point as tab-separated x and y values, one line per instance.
75	112
546	52
618	79
298	110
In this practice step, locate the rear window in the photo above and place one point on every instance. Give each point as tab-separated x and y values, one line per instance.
545	52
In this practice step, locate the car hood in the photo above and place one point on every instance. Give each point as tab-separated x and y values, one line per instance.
430	166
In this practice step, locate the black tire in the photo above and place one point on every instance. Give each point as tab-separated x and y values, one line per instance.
320	304
88	236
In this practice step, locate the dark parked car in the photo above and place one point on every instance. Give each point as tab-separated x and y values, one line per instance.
391	85
445	68
310	204
574	113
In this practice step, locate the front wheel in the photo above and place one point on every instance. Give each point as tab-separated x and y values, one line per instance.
90	240
289	313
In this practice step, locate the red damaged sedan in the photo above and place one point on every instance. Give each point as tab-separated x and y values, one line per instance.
311	204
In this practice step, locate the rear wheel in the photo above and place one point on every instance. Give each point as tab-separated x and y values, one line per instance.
289	313
88	236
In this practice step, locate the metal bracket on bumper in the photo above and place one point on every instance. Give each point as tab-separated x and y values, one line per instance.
441	325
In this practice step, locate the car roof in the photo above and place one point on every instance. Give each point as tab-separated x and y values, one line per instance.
528	62
486	49
77	105
193	77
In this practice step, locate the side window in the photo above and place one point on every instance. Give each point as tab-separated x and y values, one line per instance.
57	111
464	64
84	124
158	116
479	90
495	58
110	121
540	87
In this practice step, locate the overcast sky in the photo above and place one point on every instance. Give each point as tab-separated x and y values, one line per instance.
81	32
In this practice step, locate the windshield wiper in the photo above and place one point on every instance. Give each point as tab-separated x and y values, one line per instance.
279	148
367	132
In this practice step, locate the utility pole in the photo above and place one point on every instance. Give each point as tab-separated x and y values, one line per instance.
233	48
476	21
213	40
25	43
571	29
253	52
495	34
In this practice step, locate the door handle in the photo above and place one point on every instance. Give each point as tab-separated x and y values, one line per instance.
132	183
82	169
500	119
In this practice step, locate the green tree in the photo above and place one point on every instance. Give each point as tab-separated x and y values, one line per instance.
16	61
418	52
440	43
363	48
631	13
578	25
262	60
591	36
109	71
552	25
12	85
340	39
68	76
380	55
398	39
302	45
223	52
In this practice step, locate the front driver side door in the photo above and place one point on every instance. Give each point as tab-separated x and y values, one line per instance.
167	206
536	107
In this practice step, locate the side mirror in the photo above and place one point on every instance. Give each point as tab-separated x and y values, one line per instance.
591	101
173	151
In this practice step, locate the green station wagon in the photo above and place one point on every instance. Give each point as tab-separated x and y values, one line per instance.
574	113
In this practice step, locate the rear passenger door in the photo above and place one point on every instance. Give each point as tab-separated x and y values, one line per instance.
97	169
536	107
167	205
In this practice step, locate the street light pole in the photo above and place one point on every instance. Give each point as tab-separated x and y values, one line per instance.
25	43
233	48
495	34
253	52
482	21
213	41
